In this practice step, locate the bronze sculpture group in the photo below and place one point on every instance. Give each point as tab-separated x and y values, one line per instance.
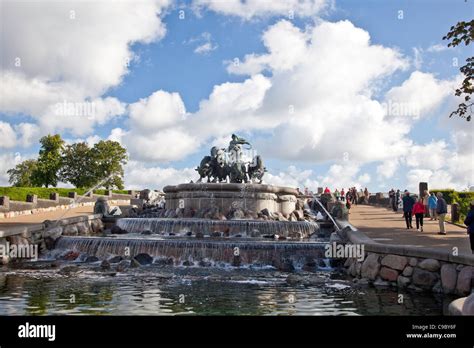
224	164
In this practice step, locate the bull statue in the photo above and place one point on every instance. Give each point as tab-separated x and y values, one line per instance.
256	169
205	169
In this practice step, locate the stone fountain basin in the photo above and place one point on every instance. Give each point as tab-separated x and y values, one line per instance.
227	196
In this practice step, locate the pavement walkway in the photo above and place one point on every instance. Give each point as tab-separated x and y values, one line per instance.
35	219
388	227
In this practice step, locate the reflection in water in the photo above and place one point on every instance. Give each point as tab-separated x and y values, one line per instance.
199	291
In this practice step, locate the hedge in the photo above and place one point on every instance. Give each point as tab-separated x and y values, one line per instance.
20	193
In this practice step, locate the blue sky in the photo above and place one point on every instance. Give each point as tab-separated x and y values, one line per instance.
171	64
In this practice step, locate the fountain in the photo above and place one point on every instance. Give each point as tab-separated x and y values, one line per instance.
232	218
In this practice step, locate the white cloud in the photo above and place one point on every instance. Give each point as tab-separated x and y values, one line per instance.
277	39
342	175
117	135
417	57
55	51
29	134
248	9
388	168
437	48
205	43
364	179
430	156
8	135
164	145
139	176
23	134
157	129
205	48
420	94
161	109
292	177
9	160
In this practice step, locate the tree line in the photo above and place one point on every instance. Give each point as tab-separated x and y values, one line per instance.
78	164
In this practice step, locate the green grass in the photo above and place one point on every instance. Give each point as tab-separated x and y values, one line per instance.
20	193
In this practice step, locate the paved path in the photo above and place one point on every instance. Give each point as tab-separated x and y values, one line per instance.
34	219
386	226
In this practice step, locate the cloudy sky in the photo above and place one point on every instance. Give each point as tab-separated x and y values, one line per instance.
330	93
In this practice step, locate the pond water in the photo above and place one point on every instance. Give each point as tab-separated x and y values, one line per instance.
153	290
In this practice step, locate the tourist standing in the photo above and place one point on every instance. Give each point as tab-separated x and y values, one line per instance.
469	222
425	198
354	195
343	195
327	190
419	212
366	194
408	203
441	211
397	200
391	198
337	194
432	202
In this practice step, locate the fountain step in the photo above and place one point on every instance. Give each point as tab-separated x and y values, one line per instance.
250	228
241	252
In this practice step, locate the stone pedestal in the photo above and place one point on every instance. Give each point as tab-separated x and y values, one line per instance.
54	196
422	187
32	199
5	202
455	212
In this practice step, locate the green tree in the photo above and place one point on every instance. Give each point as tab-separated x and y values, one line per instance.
109	158
463	32
78	165
49	161
21	175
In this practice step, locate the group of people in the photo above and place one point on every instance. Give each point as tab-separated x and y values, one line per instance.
434	205
350	196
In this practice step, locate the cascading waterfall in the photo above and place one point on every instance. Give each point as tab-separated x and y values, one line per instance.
241	252
251	228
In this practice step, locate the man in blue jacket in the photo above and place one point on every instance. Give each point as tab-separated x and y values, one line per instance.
441	210
469	222
408	203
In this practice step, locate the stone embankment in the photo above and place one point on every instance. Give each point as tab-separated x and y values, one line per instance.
409	267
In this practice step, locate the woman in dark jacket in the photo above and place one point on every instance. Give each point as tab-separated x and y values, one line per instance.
408	203
469	222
